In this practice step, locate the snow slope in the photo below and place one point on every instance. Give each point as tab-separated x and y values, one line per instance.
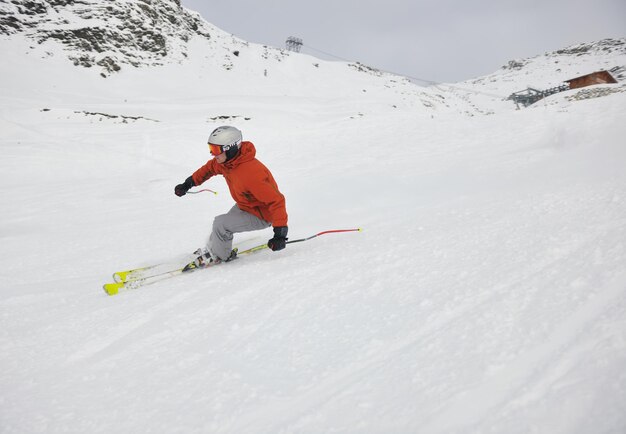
487	292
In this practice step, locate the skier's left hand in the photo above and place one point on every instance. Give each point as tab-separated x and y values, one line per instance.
280	239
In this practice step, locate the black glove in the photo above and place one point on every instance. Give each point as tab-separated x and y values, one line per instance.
182	189
280	239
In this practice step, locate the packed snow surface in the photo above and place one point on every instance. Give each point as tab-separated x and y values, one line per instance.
486	292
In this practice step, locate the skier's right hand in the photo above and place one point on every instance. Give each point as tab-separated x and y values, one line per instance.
182	189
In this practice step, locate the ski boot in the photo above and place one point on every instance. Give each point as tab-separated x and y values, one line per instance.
204	259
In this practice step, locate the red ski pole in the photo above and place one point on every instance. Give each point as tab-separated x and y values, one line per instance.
334	231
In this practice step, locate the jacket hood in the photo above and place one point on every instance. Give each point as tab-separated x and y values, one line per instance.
247	152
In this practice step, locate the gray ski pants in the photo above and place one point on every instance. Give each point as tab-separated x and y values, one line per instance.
224	226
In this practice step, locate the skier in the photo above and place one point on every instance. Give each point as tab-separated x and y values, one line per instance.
259	203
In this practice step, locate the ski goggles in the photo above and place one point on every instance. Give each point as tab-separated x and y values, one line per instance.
216	149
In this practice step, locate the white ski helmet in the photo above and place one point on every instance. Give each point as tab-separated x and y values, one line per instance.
228	139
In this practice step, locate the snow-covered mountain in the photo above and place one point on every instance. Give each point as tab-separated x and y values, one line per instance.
486	292
127	39
546	71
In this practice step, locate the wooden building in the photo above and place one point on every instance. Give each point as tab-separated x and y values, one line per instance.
599	77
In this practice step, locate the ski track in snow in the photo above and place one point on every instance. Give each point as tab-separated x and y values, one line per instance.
471	406
118	332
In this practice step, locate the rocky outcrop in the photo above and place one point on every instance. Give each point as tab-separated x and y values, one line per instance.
107	34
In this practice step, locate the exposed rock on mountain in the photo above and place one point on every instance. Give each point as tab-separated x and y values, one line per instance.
107	34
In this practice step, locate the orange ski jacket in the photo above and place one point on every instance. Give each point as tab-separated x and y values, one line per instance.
251	185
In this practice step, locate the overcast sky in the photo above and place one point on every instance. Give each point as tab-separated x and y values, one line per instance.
436	40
